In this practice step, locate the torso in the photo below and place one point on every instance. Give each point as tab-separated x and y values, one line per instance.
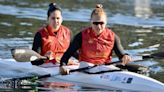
56	43
97	49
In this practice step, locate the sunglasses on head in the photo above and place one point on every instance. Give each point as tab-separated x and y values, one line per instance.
97	23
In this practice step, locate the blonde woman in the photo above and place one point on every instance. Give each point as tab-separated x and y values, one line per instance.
96	42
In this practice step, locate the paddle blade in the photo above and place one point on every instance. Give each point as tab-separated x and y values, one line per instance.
159	55
26	55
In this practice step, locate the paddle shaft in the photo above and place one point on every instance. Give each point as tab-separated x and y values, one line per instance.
89	67
110	63
27	55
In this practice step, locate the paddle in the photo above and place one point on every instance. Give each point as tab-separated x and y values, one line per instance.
28	55
159	55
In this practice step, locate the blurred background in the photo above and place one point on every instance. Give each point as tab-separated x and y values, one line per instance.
139	23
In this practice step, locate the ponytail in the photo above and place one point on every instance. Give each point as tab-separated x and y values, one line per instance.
99	11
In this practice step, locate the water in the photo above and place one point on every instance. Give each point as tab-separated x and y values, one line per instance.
139	23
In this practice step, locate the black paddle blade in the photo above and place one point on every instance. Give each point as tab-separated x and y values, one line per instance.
26	55
135	68
159	55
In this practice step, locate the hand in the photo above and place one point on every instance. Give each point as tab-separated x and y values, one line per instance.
126	59
63	71
49	54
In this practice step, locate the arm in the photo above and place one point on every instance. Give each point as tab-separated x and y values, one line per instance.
124	57
74	46
37	43
76	54
118	47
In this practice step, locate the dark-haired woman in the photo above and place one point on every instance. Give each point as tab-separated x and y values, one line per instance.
95	43
53	39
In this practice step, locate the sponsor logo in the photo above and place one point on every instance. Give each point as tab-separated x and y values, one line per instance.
121	79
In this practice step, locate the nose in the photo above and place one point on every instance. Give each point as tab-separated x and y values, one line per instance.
56	21
99	25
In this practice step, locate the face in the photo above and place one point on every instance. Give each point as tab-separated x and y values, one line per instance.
55	19
98	23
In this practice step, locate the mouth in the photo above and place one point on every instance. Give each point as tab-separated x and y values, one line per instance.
98	29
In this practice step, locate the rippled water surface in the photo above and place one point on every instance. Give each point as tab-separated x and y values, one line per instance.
139	23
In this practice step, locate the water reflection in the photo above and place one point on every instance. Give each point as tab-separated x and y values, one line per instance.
41	14
121	15
142	9
6	24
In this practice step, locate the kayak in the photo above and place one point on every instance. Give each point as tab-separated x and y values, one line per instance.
120	80
108	76
117	80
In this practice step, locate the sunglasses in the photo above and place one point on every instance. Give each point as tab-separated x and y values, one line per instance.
53	18
97	23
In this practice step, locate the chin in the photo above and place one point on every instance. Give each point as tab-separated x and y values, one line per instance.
100	31
56	27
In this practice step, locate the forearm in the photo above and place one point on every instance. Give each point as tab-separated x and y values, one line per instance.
37	47
118	47
74	46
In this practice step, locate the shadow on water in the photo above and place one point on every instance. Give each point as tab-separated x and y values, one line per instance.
139	23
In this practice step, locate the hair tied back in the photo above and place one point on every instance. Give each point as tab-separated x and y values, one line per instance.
99	6
52	4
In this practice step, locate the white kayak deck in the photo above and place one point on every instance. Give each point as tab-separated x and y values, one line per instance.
13	69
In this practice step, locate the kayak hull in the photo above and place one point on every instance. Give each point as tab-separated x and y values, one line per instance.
120	80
